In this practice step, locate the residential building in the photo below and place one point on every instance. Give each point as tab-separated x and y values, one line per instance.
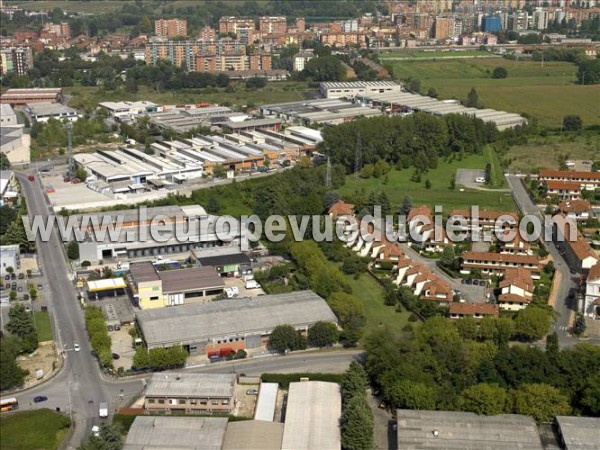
16	60
42	112
9	193
7	116
540	19
473	220
591	307
243	28
475	310
515	246
253	435
230	325
579	254
56	31
341	208
272	25
516	289
586	180
443	28
239	62
351	89
492	24
496	264
152	288
9	257
190	393
465	430
563	190
518	21
341	39
20	97
578	210
14	143
176	433
312	418
302	58
170	27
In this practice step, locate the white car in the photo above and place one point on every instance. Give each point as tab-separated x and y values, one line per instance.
96	430
480	180
76	347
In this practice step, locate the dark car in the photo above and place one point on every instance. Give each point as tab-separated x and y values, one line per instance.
7	277
13	276
469	281
116	356
21	276
40	399
13	285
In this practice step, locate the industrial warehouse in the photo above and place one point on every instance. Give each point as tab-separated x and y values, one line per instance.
226	326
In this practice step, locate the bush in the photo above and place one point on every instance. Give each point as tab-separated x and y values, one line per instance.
323	334
98	333
499	72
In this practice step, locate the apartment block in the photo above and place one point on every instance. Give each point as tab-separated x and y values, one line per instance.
170	27
244	28
586	180
272	25
497	264
15	60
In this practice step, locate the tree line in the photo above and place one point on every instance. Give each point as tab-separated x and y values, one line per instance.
436	365
98	333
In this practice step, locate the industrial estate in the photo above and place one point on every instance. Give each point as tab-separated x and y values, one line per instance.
349	224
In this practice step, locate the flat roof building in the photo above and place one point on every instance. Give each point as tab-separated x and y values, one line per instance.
192	393
176	433
253	435
350	89
579	433
266	402
17	97
465	431
230	325
312	416
42	112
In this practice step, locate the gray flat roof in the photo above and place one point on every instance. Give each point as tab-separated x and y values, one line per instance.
312	416
266	402
230	318
253	435
465	431
44	109
177	433
189	280
143	272
356	84
186	384
579	433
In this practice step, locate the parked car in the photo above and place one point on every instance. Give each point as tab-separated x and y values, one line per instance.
76	346
480	180
116	356
7	277
40	287
469	281
39	398
96	431
252	392
31	178
214	358
13	285
21	276
20	289
13	276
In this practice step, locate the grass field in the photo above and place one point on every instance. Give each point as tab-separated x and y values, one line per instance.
41	430
399	185
87	98
378	314
433	54
545	92
545	152
43	326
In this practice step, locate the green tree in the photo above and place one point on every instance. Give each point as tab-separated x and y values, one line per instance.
499	72
350	313
81	173
325	68
22	327
448	257
322	334
542	401
579	326
572	123
487	399
473	100
552	345
11	375
467	328
488	173
109	438
532	323
357	425
589	71
432	92
7	215
406	204
283	338
4	162
411	395
590	395
414	86
73	250
354	382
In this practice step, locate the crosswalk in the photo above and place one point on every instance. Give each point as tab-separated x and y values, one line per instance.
561	328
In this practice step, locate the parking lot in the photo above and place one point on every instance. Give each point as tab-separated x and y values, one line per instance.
122	345
467	177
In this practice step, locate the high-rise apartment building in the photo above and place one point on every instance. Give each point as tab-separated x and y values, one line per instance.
540	19
170	27
15	60
272	25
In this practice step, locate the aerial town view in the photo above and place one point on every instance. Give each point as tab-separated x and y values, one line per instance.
299	224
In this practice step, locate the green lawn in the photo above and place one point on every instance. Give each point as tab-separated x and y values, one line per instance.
44	326
497	174
40	430
399	185
378	314
547	92
544	152
87	98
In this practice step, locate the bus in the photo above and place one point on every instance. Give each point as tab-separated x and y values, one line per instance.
8	404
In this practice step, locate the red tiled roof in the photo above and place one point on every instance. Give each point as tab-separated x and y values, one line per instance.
582	248
501	257
558	185
422	210
470	309
483	214
341	209
574	206
513	298
594	273
518	277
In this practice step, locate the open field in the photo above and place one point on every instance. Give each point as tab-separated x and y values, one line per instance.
99	6
377	313
41	430
544	152
433	54
399	185
87	98
545	92
43	326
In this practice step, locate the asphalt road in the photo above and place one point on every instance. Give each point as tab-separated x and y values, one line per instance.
567	284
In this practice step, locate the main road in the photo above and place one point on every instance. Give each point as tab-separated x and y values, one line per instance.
567	284
79	387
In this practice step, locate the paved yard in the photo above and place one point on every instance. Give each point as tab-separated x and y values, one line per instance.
121	344
245	403
466	178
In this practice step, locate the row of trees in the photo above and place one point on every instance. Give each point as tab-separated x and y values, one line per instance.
439	367
98	333
159	358
357	423
284	338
